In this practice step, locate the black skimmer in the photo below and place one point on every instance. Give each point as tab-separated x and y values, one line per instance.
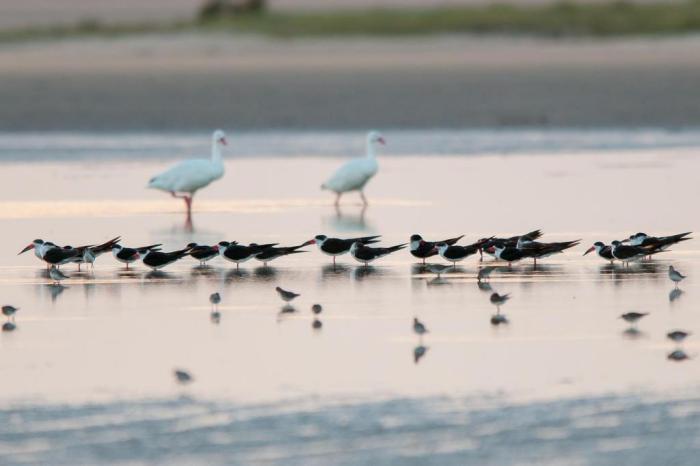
456	253
499	299
56	275
507	253
661	242
419	328
38	246
316	309
129	255
438	269
423	249
9	312
159	259
675	276
203	253
602	249
238	253
287	296
677	335
627	254
678	355
633	317
339	246
182	376
538	250
367	254
488	243
271	253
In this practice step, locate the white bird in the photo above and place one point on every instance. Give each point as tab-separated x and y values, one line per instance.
354	174
675	276
187	177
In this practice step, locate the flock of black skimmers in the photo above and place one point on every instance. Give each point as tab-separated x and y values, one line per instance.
363	249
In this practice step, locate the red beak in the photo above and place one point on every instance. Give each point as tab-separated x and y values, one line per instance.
311	241
591	249
31	246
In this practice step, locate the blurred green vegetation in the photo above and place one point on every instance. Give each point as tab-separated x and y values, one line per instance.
557	19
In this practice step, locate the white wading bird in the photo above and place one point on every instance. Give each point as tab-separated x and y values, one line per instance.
354	174
187	177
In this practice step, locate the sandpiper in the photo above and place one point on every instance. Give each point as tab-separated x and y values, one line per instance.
9	312
286	296
438	269
316	309
56	275
633	317
182	376
677	335
675	276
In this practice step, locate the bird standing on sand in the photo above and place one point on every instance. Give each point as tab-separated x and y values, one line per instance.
189	176
419	328
438	269
367	254
633	317
339	246
354	174
9	312
56	275
423	249
675	276
128	255
286	296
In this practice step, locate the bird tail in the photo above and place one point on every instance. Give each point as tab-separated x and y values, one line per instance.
453	241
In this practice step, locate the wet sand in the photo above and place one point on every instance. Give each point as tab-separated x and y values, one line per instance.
209	81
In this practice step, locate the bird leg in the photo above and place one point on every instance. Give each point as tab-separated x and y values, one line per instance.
364	199
337	199
186	198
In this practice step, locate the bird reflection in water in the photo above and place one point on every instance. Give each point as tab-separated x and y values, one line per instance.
360	273
236	274
484	286
55	291
349	221
335	271
285	311
316	325
9	327
203	271
265	273
633	333
418	353
159	275
675	294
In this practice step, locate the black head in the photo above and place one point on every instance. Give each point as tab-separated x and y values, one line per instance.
320	238
224	244
192	245
38	241
600	244
416	237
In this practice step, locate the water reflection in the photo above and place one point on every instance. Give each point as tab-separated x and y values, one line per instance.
285	310
317	325
349	219
331	271
265	273
9	327
55	291
633	333
203	271
362	272
419	352
234	275
675	294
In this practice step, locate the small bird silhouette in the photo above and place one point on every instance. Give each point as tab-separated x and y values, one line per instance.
675	276
316	309
182	376
9	312
499	299
419	327
633	317
56	275
286	296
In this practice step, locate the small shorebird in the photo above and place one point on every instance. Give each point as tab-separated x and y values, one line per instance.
182	376
660	242
678	355
215	299
633	317
423	249
438	269
339	246
484	273
677	335
89	257
418	352
9	312
499	299
419	328
367	254
675	276
316	309
56	275
286	296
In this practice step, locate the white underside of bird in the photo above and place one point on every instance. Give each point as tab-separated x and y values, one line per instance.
353	175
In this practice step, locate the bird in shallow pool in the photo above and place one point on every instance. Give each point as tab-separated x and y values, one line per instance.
9	311
354	174
286	296
675	276
189	176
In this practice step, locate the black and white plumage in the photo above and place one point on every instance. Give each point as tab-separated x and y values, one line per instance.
488	243
159	259
286	295
499	299
239	253
366	254
130	255
423	249
339	246
456	253
627	254
438	269
273	252
539	250
202	252
658	242
215	315
675	276
507	253
603	250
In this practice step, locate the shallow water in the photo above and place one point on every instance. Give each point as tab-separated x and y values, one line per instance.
87	372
